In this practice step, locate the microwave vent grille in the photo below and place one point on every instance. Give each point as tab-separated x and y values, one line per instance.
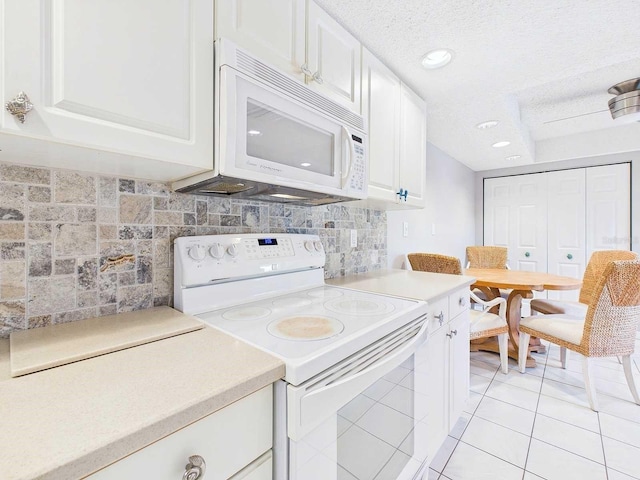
273	77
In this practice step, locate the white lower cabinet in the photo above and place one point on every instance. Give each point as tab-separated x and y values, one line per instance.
234	442
449	365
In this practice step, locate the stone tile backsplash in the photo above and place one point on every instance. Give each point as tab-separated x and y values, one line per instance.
77	245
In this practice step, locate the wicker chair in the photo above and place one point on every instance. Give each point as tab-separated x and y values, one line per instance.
597	263
487	257
483	323
607	330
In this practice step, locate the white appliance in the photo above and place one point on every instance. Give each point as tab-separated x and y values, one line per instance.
278	140
352	403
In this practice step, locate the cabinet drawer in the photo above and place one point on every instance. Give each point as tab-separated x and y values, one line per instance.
439	313
458	302
228	440
260	469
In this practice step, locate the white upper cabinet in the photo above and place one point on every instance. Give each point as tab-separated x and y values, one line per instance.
333	58
397	138
381	108
129	78
300	39
273	30
413	148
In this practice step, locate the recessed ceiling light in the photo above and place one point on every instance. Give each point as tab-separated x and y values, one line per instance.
513	157
437	58
254	133
485	125
305	164
500	144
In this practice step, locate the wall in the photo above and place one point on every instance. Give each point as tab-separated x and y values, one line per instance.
634	158
75	245
449	205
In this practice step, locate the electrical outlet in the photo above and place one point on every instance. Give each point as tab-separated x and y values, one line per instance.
433	229
354	238
405	229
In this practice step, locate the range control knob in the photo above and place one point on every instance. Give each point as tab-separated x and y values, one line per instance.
216	251
197	252
309	246
233	250
318	245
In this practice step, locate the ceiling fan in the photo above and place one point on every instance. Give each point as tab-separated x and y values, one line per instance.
624	107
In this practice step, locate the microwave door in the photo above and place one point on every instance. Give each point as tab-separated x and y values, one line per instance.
270	137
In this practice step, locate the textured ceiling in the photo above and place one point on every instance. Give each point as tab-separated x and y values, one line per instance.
541	68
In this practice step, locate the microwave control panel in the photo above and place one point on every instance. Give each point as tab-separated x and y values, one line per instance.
359	168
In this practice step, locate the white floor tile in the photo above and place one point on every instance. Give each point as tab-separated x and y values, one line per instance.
379	389
615	475
343	425
393	468
353	410
397	375
431	475
621	457
400	399
362	454
506	414
553	463
478	383
531	476
500	441
578	415
386	423
564	435
470	463
513	395
620	429
474	401
516	379
344	475
563	391
619	408
442	456
460	425
483	369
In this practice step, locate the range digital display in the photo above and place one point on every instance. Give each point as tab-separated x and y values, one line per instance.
267	241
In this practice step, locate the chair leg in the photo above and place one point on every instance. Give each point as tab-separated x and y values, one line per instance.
503	343
619	360
589	383
563	357
628	372
523	351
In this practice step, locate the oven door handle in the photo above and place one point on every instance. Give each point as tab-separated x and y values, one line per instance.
308	409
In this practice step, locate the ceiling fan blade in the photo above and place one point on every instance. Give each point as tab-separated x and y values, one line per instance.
575	116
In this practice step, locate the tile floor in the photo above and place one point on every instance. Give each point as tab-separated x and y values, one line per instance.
539	426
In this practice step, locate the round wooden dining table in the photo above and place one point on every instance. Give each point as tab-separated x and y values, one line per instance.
522	285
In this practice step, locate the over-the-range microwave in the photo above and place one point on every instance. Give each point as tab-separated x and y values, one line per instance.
278	140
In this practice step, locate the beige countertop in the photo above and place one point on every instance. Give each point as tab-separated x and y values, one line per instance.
405	283
69	421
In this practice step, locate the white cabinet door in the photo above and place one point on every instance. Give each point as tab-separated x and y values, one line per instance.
133	78
413	147
334	59
566	227
438	396
381	108
458	366
273	30
608	208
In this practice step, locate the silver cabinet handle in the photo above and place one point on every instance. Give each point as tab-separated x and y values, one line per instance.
455	332
195	469
305	69
440	318
449	335
317	78
19	106
462	302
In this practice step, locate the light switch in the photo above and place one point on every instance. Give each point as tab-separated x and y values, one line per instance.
354	238
405	229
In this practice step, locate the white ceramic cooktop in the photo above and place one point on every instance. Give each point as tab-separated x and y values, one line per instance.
313	329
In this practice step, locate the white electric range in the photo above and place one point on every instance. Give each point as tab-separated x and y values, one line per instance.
353	383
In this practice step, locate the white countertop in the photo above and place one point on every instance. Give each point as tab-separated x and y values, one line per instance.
70	421
405	283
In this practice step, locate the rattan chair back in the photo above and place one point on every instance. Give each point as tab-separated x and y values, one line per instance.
487	257
595	268
614	311
435	263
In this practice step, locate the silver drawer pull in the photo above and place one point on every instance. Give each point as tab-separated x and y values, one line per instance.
195	469
463	302
19	106
440	318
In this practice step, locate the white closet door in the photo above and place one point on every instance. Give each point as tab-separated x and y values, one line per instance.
528	249
566	227
608	208
497	206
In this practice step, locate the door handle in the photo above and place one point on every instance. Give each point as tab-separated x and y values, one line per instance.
527	254
569	256
352	150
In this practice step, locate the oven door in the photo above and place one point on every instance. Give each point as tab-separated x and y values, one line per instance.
364	418
270	137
